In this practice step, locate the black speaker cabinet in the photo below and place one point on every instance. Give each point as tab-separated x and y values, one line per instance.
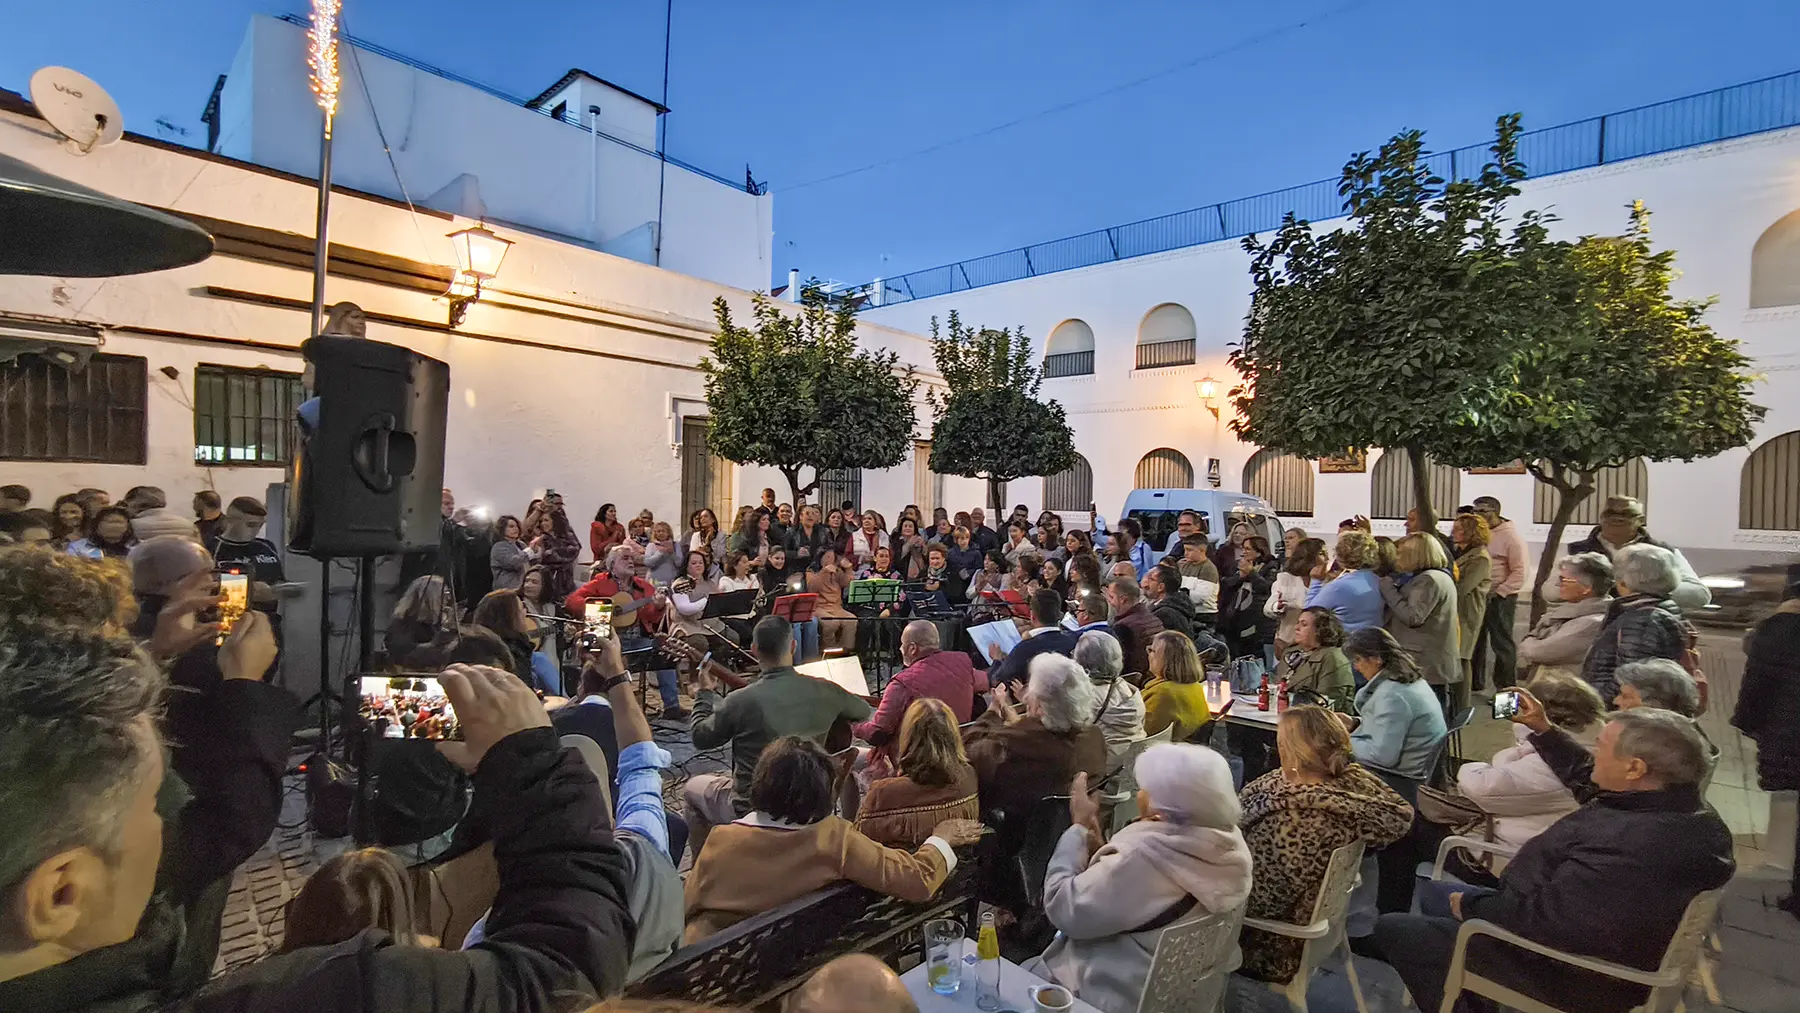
368	478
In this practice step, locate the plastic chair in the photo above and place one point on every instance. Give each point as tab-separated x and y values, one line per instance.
1326	932
1667	984
1123	798
1192	961
1684	960
1450	747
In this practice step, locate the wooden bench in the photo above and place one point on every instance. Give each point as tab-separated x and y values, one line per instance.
756	962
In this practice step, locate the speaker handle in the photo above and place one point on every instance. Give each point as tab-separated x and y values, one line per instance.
371	459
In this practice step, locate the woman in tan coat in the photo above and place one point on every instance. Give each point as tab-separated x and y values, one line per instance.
1422	601
935	784
791	844
1474	576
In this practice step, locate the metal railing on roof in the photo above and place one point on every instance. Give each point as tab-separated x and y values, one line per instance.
1723	113
570	118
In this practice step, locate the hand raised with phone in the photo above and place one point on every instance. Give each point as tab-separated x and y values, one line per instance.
490	705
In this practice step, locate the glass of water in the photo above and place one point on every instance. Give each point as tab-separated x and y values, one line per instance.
943	955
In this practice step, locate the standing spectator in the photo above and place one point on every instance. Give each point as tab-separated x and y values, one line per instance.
1132	547
92	500
779	703
1186	523
241	546
507	559
1176	691
605	531
1421	609
109	536
1294	818
1226	555
1474	575
1110	899
1120	713
932	780
964	559
1354	594
1197	565
1642	622
555	547
1133	623
475	578
982	536
909	550
662	557
1243	599
1173	608
1317	665
1511	565
140	498
71	521
1018	541
207	517
809	537
1401	721
867	540
1287	598
1622	524
708	537
1561	639
1768	708
838	531
14	498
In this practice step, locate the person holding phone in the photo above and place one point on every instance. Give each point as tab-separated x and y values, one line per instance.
242	547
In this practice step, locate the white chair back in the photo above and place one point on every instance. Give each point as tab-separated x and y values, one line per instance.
1123	796
1325	933
1683	954
1192	961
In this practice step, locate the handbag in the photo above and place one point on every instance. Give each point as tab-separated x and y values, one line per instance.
1246	675
1455	810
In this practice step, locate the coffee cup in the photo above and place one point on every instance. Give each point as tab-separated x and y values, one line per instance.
1051	999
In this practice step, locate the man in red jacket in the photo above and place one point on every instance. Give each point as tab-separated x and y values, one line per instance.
647	603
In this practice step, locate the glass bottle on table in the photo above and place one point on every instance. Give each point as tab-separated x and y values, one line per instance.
987	971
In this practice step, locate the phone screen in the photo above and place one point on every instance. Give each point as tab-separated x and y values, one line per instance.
234	590
408	707
1506	704
596	623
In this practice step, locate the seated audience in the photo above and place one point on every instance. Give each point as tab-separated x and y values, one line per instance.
706	535
1401	722
1133	623
1021	757
1092	612
1610	880
1176	691
778	703
1111	899
1120	713
1560	640
933	781
358	890
503	612
857	983
931	673
1642	622
1046	636
1421	602
790	843
991	577
1171	605
1518	789
1294	818
1317	671
1354	593
14	498
828	578
662	557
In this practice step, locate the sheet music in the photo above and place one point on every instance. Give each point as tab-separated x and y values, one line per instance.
845	671
1004	633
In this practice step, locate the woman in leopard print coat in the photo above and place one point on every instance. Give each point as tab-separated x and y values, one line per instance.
1319	800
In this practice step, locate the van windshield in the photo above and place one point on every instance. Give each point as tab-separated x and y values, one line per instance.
1159	526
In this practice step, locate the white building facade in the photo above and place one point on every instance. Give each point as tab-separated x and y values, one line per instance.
1135	337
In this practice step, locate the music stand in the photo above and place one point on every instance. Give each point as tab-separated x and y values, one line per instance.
928	604
795	608
729	604
874	591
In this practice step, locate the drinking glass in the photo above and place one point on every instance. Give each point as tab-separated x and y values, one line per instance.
943	955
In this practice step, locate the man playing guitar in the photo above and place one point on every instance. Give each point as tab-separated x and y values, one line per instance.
638	607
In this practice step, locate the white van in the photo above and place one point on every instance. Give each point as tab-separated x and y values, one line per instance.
1159	509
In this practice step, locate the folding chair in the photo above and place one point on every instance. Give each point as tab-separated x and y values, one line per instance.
1192	961
1326	932
1122	800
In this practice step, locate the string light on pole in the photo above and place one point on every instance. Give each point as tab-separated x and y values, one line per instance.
322	56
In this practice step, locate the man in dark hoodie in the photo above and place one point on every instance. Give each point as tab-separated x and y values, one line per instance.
1162	590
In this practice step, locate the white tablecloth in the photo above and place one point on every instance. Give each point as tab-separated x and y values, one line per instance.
1014	980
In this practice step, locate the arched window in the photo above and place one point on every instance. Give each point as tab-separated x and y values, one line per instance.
1628	479
1775	264
1070	350
1769	492
1166	337
1164	469
1284	481
1391	487
1072	489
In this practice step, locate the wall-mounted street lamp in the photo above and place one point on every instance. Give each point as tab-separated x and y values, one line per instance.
1208	389
479	253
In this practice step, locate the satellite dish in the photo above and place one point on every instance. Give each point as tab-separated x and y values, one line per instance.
79	109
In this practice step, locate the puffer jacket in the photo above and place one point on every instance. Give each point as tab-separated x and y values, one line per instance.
1519	789
1768	707
1562	637
1637	626
1176	610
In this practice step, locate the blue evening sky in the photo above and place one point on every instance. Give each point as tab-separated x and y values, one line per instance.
1272	94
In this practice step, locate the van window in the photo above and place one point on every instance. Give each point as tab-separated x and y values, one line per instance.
1159	526
1261	525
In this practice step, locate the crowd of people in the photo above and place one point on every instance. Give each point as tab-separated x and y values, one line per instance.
145	748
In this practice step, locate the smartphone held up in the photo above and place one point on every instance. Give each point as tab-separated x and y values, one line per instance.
233	590
408	707
596	624
1506	704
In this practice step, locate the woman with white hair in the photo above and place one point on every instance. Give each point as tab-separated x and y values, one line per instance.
1020	756
1120	713
1642	622
1110	901
1560	640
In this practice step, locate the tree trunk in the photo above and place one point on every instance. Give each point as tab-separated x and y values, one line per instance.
996	498
1422	490
1568	496
793	480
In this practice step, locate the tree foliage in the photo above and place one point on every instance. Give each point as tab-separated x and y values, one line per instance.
991	423
1629	372
1392	330
795	392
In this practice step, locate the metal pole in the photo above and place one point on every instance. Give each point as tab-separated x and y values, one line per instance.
325	658
662	142
321	242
